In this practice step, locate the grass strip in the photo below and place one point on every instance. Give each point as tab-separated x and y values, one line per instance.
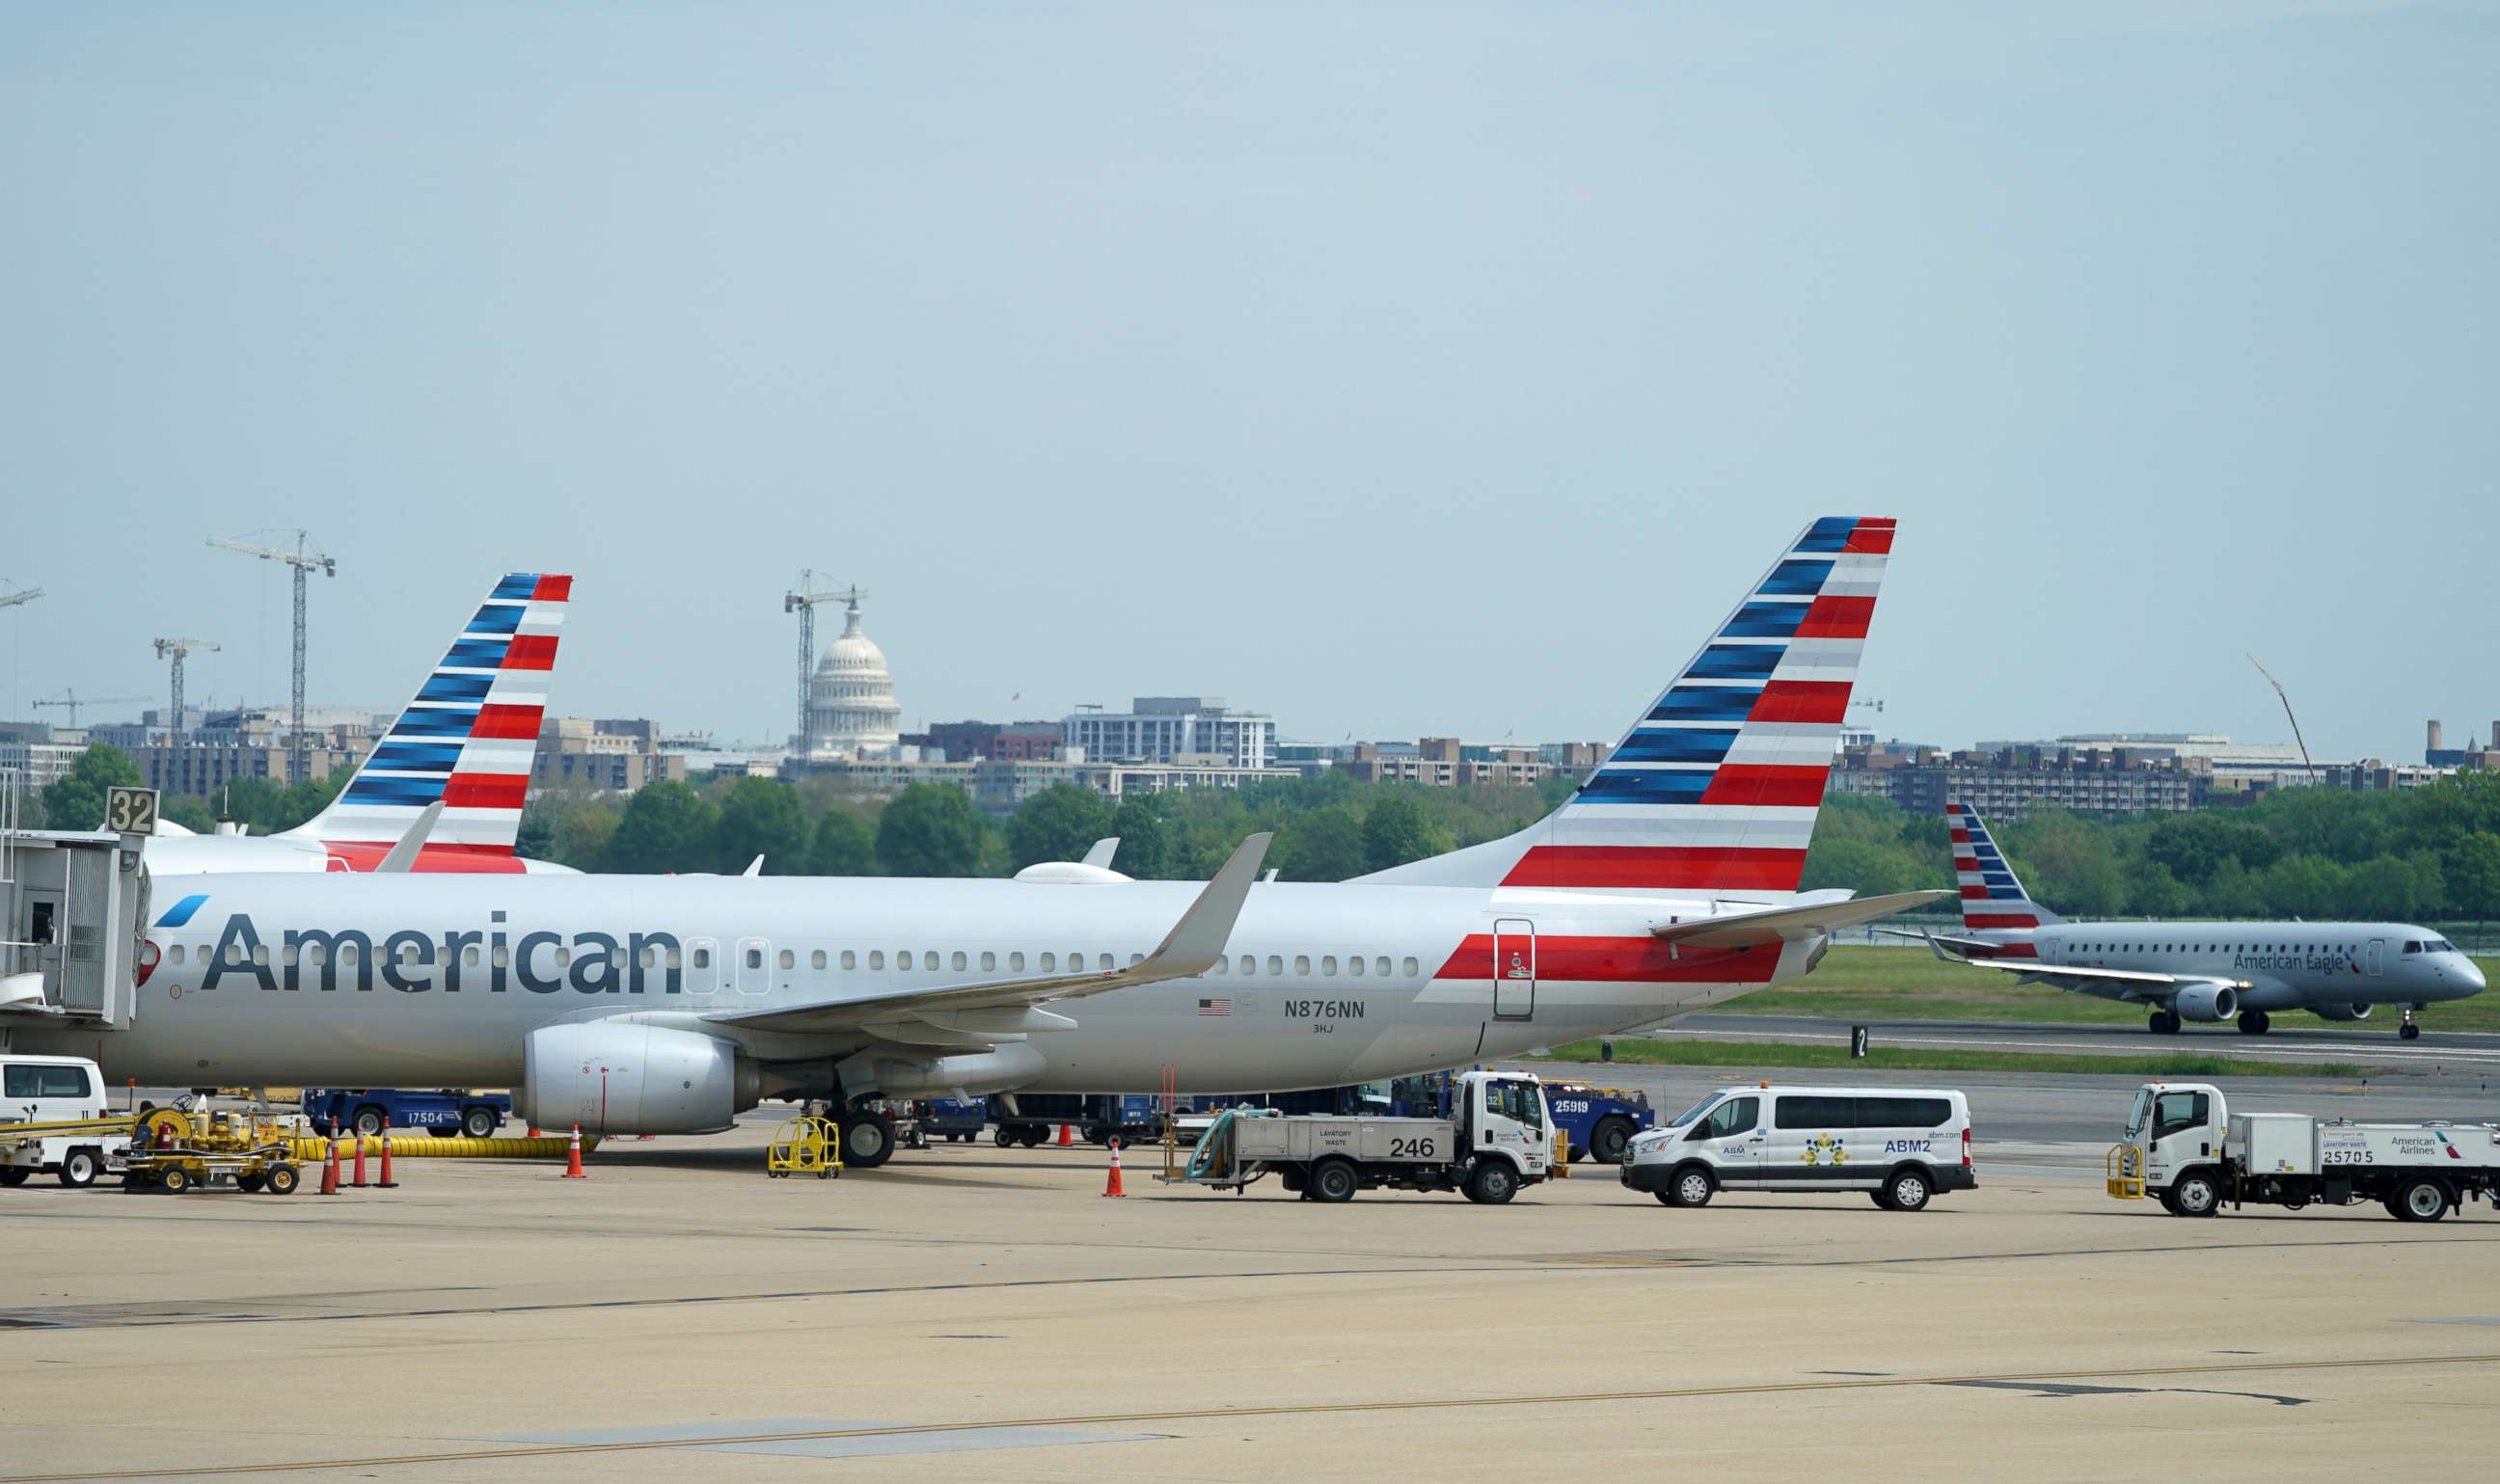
1644	1051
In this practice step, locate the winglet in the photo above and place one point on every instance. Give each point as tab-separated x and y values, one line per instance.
402	855
1100	854
1196	941
754	867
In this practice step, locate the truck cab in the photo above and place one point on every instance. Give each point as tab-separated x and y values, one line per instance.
2172	1128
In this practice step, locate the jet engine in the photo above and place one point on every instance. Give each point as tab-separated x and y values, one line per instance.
620	1077
2207	1002
2342	1012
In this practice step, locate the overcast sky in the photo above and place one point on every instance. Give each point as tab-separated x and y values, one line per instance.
1396	369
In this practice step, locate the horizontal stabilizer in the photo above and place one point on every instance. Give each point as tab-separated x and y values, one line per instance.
1780	924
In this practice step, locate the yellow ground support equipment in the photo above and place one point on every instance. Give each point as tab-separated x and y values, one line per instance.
312	1149
807	1145
2124	1165
1560	1167
176	1151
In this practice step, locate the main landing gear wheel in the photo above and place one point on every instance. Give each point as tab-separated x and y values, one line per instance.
868	1141
2164	1022
2254	1023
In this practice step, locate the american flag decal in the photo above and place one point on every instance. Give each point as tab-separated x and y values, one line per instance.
1215	1007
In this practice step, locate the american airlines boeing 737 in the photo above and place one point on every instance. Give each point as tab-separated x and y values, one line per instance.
2197	971
466	741
670	1004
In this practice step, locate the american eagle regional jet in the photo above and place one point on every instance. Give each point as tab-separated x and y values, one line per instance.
2197	971
670	1004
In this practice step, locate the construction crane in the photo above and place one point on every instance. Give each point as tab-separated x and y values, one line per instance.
2284	696
177	649
802	600
73	701
305	562
21	595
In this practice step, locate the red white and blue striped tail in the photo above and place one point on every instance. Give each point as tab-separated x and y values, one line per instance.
469	740
1713	791
1992	898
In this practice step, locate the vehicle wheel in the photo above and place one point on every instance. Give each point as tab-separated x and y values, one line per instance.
2408	1032
1907	1190
369	1122
1335	1182
479	1122
1882	1200
1608	1139
282	1178
1691	1188
80	1167
248	1185
2255	1022
175	1179
2196	1195
2165	1023
1493	1184
1005	1137
2420	1198
1032	1139
868	1142
2168	1203
14	1176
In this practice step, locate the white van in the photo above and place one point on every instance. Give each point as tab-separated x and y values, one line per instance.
1902	1146
50	1089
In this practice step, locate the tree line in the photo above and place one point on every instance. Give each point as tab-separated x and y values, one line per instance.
2430	854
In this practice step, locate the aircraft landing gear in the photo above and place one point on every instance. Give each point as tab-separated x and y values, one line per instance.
867	1139
2164	1022
2254	1023
2409	1031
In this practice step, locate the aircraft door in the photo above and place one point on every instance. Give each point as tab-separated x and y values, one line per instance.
703	966
1514	969
2374	962
754	955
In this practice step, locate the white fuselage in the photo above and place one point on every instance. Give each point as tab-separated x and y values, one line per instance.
2286	965
381	981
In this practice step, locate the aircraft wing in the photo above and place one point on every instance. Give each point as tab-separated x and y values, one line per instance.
1010	1006
2130	984
1779	925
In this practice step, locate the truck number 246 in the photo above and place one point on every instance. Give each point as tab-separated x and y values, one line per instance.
1411	1149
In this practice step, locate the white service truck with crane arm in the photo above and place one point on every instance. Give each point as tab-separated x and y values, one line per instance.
2185	1147
1499	1138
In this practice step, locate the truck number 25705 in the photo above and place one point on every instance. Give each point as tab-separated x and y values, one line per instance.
1411	1149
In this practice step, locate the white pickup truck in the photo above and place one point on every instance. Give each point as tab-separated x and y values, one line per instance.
1502	1138
63	1097
2184	1147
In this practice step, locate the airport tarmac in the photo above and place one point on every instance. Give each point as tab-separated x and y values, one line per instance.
970	1312
2436	1051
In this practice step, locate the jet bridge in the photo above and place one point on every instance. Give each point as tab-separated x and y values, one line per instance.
73	905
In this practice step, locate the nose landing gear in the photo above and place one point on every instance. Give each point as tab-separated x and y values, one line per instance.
2409	1031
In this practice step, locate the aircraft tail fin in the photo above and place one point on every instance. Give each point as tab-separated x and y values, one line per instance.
1714	789
467	741
1992	898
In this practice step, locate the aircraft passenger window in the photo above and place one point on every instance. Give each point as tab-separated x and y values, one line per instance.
816	959
1015	963
755	958
790	960
1412	968
562	958
1380	966
1049	963
1354	965
1105	960
703	957
616	958
850	959
350	954
1275	963
989	963
959	960
312	954
469	956
1301	963
174	955
877	959
1135	959
902	959
1327	965
674	958
650	957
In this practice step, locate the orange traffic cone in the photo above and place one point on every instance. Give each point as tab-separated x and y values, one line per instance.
572	1157
359	1181
1111	1187
1066	1136
386	1182
330	1169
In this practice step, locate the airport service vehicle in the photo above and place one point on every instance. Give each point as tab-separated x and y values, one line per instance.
2185	1148
2208	972
467	741
1501	1140
670	1004
1599	1121
53	1118
443	1112
1902	1146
